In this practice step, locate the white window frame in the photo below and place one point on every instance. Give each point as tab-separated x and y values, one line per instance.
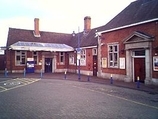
71	59
22	55
62	54
83	57
94	51
35	54
113	55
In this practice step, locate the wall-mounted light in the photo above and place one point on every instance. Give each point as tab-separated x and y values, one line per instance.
102	44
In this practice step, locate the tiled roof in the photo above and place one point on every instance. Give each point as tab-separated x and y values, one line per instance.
86	39
15	35
137	11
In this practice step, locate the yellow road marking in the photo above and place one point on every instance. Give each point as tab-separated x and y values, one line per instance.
122	98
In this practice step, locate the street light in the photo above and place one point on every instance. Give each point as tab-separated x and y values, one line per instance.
78	54
78	49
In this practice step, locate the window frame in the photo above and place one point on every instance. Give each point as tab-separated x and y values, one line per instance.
35	55
83	57
94	51
71	59
113	55
21	55
61	54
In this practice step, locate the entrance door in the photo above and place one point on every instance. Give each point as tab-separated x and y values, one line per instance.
139	69
48	65
95	65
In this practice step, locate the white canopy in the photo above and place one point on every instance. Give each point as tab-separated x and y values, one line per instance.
37	46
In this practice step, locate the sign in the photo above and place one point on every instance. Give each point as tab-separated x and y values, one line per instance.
30	59
155	63
78	56
104	62
1	52
122	63
78	50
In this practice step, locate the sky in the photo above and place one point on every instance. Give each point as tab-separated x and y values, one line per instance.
64	16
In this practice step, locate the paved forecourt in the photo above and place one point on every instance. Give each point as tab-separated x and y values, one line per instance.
15	83
64	99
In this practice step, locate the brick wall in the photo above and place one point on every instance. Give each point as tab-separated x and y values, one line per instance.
120	35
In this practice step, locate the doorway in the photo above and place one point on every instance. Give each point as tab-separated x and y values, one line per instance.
95	68
139	69
48	65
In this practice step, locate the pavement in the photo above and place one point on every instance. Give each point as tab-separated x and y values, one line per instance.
152	89
60	96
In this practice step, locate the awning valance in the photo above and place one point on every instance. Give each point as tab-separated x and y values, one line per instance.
38	46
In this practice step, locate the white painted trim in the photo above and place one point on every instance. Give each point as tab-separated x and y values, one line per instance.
88	47
126	26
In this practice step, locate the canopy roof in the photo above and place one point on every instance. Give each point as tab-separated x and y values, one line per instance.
38	46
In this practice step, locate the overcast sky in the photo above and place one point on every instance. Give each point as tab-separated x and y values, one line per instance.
56	15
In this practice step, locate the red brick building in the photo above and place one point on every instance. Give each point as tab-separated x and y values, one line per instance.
130	39
52	52
2	63
126	47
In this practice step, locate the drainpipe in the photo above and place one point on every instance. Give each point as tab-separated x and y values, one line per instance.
99	55
10	61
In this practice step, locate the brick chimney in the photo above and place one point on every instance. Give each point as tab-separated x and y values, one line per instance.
36	27
87	23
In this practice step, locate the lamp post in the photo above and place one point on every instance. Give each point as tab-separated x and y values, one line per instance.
78	51
78	54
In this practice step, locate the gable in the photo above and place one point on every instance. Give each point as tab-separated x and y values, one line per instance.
137	37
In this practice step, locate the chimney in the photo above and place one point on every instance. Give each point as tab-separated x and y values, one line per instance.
36	27
87	23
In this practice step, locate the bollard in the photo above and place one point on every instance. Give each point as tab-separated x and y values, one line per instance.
79	75
65	75
6	72
138	82
111	79
88	78
41	73
24	72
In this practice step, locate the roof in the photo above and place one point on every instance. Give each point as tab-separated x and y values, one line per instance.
37	46
137	12
15	35
23	35
86	39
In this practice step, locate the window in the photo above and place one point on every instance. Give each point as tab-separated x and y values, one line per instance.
20	57
139	53
71	59
35	57
113	55
83	57
94	51
61	57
